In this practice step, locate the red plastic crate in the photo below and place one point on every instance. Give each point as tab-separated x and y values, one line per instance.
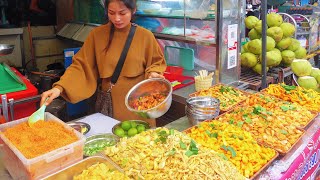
24	109
173	72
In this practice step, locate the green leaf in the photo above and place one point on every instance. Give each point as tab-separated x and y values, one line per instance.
248	120
171	131
212	126
288	88
231	121
233	136
208	132
189	153
223	156
224	147
269	113
215	135
283	132
233	152
284	108
172	152
240	124
182	145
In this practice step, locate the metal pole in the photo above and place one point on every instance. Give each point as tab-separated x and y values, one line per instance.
264	43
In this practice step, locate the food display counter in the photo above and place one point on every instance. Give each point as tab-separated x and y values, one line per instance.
300	161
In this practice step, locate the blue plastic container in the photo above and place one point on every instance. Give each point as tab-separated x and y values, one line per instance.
82	106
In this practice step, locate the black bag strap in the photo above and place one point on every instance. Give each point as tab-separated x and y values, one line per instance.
116	73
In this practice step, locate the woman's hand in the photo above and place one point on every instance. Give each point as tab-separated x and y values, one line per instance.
155	75
51	94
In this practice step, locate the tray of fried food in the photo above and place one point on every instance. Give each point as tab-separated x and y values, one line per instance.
94	167
265	126
169	154
292	113
307	98
229	96
235	145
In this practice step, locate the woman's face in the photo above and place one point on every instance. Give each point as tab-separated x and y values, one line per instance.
119	14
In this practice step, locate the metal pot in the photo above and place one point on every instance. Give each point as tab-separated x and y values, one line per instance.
47	79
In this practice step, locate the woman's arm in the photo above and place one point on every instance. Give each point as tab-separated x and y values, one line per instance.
80	79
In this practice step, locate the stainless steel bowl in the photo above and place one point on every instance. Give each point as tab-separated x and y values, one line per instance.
146	124
146	87
6	49
102	140
81	127
202	108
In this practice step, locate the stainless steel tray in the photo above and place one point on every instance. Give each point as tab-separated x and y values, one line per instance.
76	169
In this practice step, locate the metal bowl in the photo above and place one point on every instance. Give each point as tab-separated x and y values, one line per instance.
146	87
82	127
146	124
6	49
101	141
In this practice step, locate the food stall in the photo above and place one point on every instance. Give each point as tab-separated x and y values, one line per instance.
226	131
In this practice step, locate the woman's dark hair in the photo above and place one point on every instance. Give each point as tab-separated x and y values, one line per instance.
130	4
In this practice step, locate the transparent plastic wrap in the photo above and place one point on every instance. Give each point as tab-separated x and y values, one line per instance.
293	162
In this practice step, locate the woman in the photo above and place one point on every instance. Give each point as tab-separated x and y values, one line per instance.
99	56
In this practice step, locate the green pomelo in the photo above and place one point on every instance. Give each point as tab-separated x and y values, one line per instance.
273	58
250	21
288	29
315	72
274	19
253	34
258	68
284	43
271	43
287	57
301	67
254	46
295	44
248	59
301	53
308	82
276	33
258	26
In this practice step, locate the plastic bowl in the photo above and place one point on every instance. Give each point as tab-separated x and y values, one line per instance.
146	87
96	143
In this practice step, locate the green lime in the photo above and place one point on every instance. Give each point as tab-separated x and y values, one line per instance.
133	124
141	128
119	132
132	132
126	125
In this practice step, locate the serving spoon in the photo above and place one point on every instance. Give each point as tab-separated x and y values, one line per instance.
38	115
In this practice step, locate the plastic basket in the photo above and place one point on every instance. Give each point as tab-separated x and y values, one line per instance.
201	84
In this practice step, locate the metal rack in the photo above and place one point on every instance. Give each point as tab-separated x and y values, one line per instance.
8	105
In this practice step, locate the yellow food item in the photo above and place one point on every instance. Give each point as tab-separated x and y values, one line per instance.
236	145
227	95
100	171
168	154
291	113
308	98
41	138
267	127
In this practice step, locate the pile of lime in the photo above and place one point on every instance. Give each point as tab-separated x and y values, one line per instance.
129	129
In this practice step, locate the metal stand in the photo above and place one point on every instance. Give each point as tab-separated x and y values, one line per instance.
7	105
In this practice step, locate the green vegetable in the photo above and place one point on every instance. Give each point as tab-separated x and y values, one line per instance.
94	148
